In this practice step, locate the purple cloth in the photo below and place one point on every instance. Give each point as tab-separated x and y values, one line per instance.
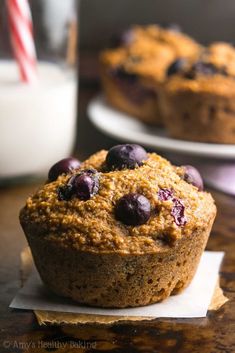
219	175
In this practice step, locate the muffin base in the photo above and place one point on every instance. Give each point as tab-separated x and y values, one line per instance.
118	280
201	117
127	98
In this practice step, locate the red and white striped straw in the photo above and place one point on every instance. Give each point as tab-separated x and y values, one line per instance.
21	33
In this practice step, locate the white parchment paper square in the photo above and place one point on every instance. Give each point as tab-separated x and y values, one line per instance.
191	303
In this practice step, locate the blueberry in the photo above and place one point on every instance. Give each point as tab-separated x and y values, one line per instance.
86	184
133	209
125	156
83	186
177	66
178	212
204	68
119	73
165	194
192	176
63	166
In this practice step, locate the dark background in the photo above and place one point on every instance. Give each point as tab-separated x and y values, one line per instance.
206	20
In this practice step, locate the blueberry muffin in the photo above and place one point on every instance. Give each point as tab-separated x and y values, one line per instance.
182	45
198	101
133	72
122	229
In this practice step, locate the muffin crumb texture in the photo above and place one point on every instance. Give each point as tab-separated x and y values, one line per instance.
91	225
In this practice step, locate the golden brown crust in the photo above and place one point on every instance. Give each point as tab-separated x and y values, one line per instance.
155	48
91	225
147	59
182	45
222	55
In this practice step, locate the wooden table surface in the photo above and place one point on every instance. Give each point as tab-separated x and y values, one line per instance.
19	331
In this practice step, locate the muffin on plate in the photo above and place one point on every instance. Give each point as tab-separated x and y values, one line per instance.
123	229
198	100
182	44
133	72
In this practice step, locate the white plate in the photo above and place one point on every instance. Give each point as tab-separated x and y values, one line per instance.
125	128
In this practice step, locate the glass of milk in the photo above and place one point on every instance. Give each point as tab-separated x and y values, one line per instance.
38	121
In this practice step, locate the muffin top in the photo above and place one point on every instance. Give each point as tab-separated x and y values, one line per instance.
145	58
148	51
222	55
181	44
124	201
213	72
